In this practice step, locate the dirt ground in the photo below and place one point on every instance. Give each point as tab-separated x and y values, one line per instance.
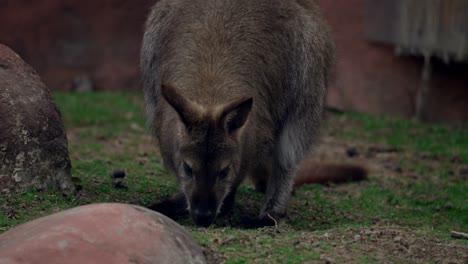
404	246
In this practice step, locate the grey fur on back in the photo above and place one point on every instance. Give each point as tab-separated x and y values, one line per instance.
302	54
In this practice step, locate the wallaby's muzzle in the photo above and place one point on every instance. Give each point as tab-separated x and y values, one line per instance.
203	209
203	217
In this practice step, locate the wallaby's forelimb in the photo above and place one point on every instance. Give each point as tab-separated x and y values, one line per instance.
173	207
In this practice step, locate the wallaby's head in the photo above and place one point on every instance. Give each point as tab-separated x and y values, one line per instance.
209	148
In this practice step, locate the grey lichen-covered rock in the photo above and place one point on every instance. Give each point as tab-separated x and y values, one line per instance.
33	143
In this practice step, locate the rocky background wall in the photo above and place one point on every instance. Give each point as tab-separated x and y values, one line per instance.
77	43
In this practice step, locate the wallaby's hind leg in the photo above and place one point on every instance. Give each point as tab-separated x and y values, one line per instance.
294	142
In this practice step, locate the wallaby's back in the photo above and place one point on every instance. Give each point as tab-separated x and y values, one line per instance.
273	50
204	62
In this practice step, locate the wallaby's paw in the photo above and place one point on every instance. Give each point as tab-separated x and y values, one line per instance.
162	207
166	208
173	207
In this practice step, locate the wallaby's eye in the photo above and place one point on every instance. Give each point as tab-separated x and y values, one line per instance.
187	170
224	173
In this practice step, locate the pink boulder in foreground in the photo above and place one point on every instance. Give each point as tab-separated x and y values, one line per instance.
100	233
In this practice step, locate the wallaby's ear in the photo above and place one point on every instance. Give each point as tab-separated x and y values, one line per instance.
187	110
235	114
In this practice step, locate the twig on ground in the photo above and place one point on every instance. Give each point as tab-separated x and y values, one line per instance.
276	223
456	234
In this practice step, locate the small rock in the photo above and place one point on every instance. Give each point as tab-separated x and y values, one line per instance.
356	238
118	174
136	127
352	152
397	239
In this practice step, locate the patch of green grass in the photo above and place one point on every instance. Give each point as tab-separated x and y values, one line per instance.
409	134
30	205
422	205
103	108
261	245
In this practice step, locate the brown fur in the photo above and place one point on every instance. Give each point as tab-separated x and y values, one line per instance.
234	88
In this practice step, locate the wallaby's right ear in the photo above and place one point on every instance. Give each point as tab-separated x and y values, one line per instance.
235	114
187	111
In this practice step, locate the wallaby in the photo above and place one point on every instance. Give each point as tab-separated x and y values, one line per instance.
235	88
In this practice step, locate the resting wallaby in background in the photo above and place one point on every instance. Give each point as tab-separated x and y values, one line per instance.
235	88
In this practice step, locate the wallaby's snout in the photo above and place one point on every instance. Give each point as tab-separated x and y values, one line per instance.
203	217
206	193
203	210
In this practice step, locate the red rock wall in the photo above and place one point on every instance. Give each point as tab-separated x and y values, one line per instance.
66	39
370	78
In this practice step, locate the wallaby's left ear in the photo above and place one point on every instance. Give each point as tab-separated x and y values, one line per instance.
234	115
187	110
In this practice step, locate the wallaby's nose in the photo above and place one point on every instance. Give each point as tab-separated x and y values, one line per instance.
203	217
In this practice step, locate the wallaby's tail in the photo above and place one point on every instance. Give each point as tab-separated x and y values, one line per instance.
314	172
